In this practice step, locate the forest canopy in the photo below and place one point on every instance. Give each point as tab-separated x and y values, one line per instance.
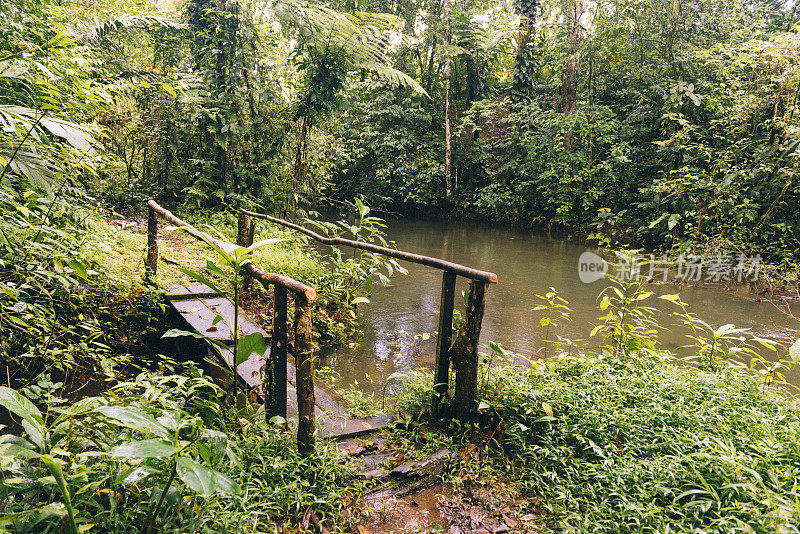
662	124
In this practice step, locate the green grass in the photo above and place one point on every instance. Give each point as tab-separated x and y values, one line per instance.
121	252
643	445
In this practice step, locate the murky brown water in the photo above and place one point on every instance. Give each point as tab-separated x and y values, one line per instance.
399	323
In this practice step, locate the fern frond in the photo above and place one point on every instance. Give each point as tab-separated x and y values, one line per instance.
102	29
366	39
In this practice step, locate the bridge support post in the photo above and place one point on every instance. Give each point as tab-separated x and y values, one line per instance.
277	359
241	229
151	263
304	354
441	375
464	351
251	234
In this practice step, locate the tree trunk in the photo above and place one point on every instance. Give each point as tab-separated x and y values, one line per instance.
448	106
464	352
569	76
523	71
299	161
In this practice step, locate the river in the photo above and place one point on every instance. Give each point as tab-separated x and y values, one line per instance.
400	322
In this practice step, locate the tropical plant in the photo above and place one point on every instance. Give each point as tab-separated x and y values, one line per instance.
231	259
350	283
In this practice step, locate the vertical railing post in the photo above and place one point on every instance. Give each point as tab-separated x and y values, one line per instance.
242	225
464	351
251	235
441	375
151	263
304	354
277	357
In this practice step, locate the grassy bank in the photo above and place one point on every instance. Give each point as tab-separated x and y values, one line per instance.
641	444
627	440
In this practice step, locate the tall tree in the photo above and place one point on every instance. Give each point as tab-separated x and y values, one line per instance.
523	62
573	9
448	101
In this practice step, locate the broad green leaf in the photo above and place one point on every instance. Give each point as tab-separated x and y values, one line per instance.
212	267
79	268
227	486
134	474
31	417
675	299
58	475
794	351
249	344
218	345
200	278
135	419
147	448
265	242
169	89
196	476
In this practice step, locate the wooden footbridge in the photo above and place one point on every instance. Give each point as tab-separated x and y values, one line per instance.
272	376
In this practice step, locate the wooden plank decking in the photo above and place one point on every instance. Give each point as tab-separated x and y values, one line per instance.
199	305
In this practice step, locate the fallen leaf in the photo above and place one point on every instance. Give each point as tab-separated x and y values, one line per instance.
211	329
366	425
362	529
510	522
527	517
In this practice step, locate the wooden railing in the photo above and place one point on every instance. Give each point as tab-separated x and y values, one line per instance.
277	363
463	351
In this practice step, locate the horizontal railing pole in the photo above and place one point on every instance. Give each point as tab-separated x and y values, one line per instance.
264	277
461	270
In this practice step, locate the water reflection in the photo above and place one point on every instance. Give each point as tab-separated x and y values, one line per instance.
526	265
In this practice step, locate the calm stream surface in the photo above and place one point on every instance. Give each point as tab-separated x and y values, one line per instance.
399	324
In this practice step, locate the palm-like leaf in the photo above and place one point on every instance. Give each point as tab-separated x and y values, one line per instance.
23	132
366	39
102	29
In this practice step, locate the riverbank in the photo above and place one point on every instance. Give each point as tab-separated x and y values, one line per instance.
164	446
630	444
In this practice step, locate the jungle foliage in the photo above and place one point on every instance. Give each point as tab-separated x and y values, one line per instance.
647	122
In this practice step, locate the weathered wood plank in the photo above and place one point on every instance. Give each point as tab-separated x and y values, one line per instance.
179	292
200	314
328	406
249	370
304	354
464	351
151	263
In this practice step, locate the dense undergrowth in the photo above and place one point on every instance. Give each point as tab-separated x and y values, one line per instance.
629	440
212	107
639	444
